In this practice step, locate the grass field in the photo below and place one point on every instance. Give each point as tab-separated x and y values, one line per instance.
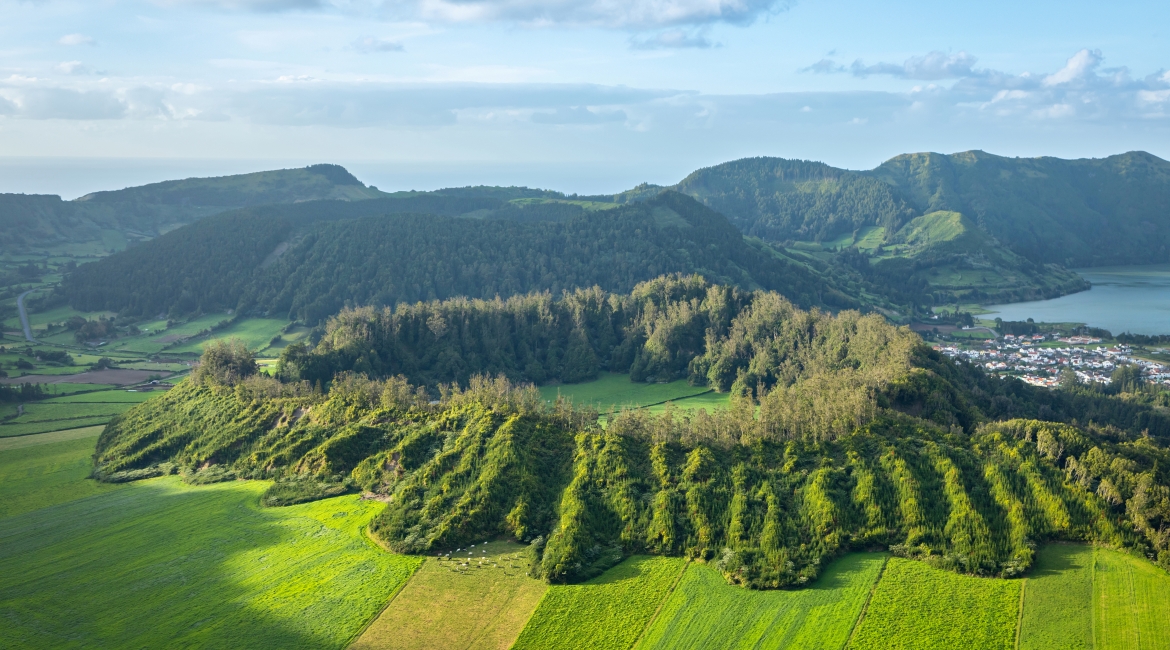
608	612
481	606
46	469
708	401
1131	603
254	332
612	389
105	397
158	564
7	430
48	411
917	607
1058	598
704	612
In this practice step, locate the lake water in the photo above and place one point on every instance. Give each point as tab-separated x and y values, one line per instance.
1123	299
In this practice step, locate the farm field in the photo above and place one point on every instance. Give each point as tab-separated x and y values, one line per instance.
105	397
1131	603
29	428
161	564
704	612
918	607
1058	599
46	469
708	401
613	389
615	606
481	606
255	333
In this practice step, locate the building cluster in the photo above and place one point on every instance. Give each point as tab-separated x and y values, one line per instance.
1039	360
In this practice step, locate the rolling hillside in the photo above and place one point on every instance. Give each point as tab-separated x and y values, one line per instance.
310	260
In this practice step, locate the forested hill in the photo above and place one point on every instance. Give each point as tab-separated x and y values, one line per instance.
145	211
849	434
1070	212
309	261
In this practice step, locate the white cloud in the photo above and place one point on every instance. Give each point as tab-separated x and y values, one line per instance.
1081	65
76	39
263	6
372	44
932	66
636	14
72	67
672	39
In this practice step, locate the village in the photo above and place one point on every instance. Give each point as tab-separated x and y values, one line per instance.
1039	359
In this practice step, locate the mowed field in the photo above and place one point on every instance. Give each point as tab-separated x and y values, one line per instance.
704	612
42	470
916	607
477	599
613	390
1131	603
1058	600
70	411
608	612
158	564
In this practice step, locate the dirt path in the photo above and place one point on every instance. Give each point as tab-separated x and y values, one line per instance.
24	316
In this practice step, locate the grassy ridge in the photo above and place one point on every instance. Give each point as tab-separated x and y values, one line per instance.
1131	599
704	612
606	613
47	469
445	605
1058	599
917	607
157	564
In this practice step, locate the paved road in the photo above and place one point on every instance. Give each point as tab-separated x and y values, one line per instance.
24	316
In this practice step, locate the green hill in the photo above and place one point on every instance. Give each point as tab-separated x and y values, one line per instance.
848	433
310	260
1071	212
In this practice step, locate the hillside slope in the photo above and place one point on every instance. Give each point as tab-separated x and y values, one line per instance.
144	212
335	254
1071	212
857	436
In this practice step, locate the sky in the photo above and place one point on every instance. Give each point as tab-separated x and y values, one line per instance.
575	95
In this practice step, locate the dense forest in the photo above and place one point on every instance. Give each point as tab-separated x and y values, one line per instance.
309	261
844	432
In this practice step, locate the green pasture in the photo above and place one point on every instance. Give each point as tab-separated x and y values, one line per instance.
478	599
254	332
704	612
1058	599
157	338
709	402
46	469
608	612
105	397
916	607
29	428
48	411
159	564
1131	603
611	389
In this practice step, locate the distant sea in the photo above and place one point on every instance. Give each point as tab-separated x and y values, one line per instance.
1132	299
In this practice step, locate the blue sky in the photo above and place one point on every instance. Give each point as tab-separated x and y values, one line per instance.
578	95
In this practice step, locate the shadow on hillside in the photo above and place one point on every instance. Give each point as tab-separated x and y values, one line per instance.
157	565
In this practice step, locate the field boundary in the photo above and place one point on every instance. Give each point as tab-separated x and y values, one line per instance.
357	635
865	605
1020	612
662	603
22	435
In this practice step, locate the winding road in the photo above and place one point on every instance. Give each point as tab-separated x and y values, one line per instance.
24	316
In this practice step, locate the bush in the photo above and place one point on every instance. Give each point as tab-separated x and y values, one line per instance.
300	490
209	475
225	362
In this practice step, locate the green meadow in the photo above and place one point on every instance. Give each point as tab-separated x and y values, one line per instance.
916	607
478	599
704	612
42	470
608	612
1131	603
1058	600
160	564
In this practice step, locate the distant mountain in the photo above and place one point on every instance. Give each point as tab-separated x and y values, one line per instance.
308	261
116	218
1086	212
